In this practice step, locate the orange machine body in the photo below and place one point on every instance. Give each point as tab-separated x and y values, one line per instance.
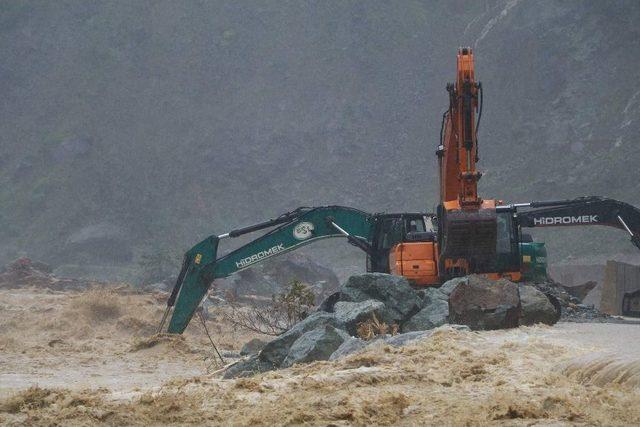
416	261
467	235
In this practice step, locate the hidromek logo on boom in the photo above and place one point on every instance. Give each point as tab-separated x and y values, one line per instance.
260	255
552	220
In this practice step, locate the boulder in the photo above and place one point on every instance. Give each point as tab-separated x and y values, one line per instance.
431	294
317	344
350	314
27	267
448	286
276	351
252	347
27	272
329	302
434	314
230	354
481	303
580	291
536	307
248	367
400	299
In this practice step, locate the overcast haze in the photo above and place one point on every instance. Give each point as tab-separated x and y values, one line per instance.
137	127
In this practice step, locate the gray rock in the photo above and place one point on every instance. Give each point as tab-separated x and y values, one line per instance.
248	367
580	291
276	351
349	346
344	334
329	302
395	292
314	320
350	314
207	307
536	307
230	354
431	294
434	314
252	347
448	286
317	344
481	303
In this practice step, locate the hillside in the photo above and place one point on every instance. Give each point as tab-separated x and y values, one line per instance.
133	128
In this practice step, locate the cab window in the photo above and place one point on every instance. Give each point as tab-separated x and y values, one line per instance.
415	225
503	243
391	233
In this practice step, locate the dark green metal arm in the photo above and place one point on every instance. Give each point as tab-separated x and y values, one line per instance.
297	228
591	210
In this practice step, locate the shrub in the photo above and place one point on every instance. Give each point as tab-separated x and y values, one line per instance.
276	316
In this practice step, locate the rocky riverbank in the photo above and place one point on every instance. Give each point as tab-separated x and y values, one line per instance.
381	307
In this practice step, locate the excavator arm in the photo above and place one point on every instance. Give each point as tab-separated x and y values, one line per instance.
467	224
590	210
300	227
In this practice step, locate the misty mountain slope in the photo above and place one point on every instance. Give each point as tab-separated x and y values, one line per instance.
134	127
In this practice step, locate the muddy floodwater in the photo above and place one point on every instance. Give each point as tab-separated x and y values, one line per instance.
87	358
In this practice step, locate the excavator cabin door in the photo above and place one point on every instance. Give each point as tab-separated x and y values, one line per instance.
405	245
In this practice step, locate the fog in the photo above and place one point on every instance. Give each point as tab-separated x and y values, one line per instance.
133	129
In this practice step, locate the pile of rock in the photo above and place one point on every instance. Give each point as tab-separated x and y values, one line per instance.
26	272
471	302
570	305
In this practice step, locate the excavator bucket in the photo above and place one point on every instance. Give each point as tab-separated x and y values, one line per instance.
193	282
470	234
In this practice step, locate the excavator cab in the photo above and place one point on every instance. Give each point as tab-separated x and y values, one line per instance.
507	253
405	244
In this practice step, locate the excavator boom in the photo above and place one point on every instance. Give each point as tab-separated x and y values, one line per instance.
458	150
294	229
467	224
592	210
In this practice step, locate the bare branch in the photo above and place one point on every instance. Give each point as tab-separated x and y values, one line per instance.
274	317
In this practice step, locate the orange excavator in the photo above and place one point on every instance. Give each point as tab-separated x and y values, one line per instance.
472	237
